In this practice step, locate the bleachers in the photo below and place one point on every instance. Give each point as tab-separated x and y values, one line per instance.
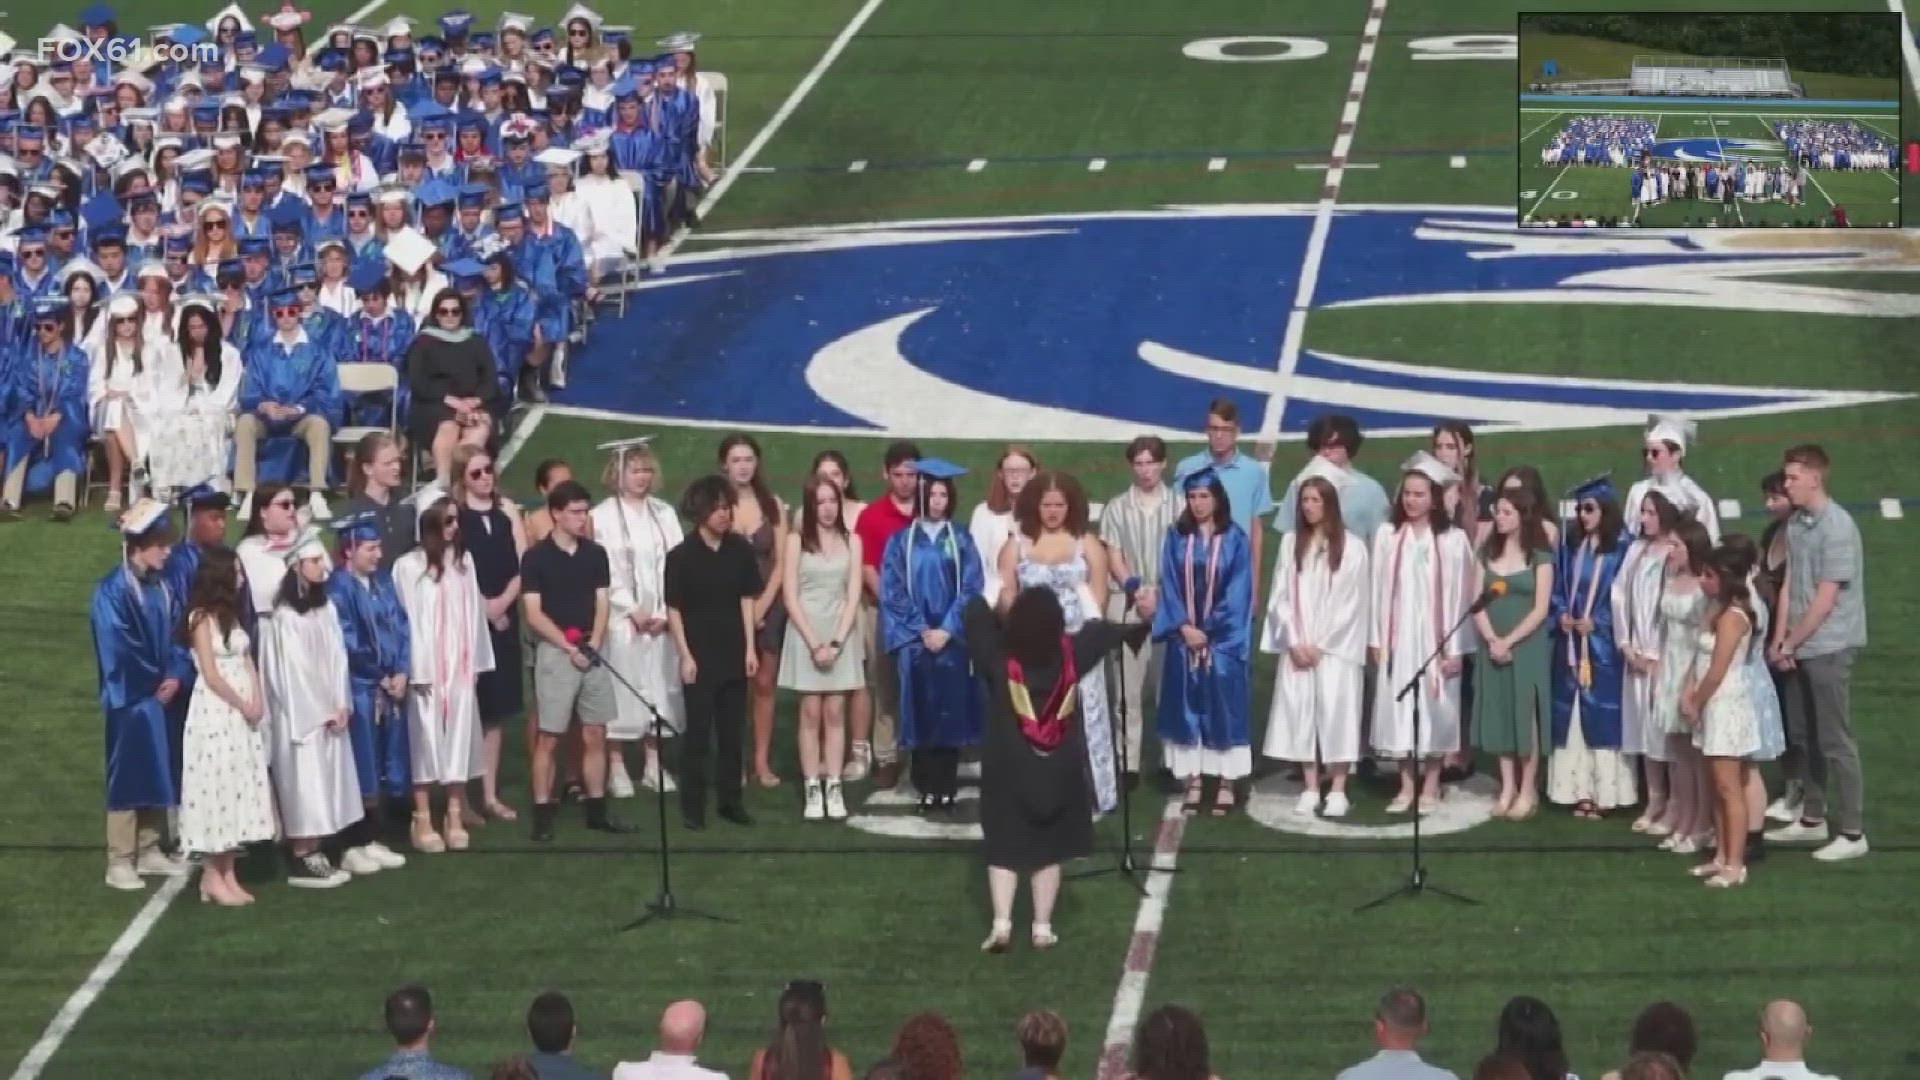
1712	77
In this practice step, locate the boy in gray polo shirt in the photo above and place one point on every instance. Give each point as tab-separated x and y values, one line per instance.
1823	624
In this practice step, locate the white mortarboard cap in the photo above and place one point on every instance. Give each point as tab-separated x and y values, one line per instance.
308	546
193	161
296	136
230	11
142	516
335	119
598	142
1678	430
372	79
396	26
1432	468
409	250
287	20
582	11
621	447
1318	466
226	140
680	41
152	269
123	305
392	193
512	20
558	157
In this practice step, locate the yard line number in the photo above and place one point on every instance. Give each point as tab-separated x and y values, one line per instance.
1262	49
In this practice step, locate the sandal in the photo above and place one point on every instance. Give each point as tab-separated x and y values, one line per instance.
502	811
767	780
1195	794
1223	800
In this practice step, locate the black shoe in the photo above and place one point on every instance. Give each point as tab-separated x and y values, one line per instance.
693	822
62	513
599	820
543	821
1168	783
533	385
736	814
571	793
1130	780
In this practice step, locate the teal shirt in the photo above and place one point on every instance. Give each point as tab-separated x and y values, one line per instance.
1249	495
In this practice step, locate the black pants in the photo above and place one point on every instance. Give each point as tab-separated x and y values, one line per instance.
716	714
936	771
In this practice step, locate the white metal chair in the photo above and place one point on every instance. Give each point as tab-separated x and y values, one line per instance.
718	81
369	377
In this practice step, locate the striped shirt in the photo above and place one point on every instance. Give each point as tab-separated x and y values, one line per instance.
1137	526
1825	546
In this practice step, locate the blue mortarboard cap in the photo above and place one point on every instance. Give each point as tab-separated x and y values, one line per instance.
288	218
285	295
1599	488
256	245
303	274
101	210
464	268
6	263
51	306
96	15
1199	478
359	198
484	40
274	57
637	68
206	114
181	244
447	73
199	181
331	60
625	89
939	469
612	36
30	234
542	36
189	34
361	124
208	494
430	43
536	192
29	133
322	174
456	23
435	193
473	121
570	76
398	57
474	196
357	528
507	213
229	268
245	39
113	235
279	114
60	219
365	276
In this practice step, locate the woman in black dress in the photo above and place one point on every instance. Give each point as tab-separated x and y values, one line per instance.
1036	803
450	375
496	539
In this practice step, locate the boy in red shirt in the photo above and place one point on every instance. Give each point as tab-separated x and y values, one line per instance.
876	525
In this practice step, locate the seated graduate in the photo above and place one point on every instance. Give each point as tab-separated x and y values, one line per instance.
46	425
1036	800
378	333
194	400
291	387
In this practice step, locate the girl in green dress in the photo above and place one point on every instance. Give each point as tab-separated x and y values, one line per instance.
1510	702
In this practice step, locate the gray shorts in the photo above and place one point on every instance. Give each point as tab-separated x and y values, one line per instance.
563	691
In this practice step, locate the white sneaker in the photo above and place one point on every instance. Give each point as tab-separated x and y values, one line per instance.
358	861
160	864
388	858
313	871
836	802
1840	848
619	784
1309	802
1786	808
816	802
317	507
1799	833
121	875
858	763
658	779
1337	805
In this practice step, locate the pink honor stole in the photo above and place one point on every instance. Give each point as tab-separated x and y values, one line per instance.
456	648
1046	729
1393	603
1201	604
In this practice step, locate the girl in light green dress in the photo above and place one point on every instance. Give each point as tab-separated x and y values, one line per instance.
822	657
1511	702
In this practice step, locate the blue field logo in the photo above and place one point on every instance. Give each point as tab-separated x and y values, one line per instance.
1719	150
1102	326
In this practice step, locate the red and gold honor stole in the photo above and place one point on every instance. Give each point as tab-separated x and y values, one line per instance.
1393	600
1047	729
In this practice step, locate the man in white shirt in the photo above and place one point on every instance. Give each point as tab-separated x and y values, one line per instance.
1399	1023
1784	1032
682	1029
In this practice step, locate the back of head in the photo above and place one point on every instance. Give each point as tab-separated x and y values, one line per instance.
682	1027
518	1068
1785	1025
1035	625
409	1014
550	1023
1043	1039
1501	1067
1652	1065
927	1048
1668	1029
1401	1016
1529	1031
1171	1044
799	1048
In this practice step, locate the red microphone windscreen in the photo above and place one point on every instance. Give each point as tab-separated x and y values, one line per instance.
574	635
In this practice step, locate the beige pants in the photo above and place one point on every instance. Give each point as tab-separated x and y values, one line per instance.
65	485
133	833
1138	673
249	430
883	683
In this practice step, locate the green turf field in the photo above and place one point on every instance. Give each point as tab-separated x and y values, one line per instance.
1581	58
1258	934
1871	197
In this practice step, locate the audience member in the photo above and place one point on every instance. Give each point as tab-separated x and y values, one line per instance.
1784	1032
1501	1067
1043	1042
683	1027
927	1048
1399	1023
1649	1065
551	1026
409	1016
1529	1031
1667	1028
799	1049
1171	1044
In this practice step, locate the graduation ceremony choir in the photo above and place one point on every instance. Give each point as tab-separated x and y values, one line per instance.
214	264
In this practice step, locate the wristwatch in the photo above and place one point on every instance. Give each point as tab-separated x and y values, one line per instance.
833	644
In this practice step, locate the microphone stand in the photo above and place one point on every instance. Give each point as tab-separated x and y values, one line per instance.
1416	883
1125	865
662	906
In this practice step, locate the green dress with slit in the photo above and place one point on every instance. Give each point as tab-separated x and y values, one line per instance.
1510	701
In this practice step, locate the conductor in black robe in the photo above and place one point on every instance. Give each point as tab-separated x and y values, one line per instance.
1036	799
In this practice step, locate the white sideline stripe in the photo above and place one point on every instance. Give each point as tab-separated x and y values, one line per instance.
1296	331
1907	48
859	165
1218	164
1137	966
976	164
1457	161
1892	510
68	1017
366	9
529	424
765	135
1097	164
1323	166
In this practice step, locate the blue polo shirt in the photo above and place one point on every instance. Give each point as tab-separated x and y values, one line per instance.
1248	493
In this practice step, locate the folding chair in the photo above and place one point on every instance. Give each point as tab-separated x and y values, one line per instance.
720	95
369	377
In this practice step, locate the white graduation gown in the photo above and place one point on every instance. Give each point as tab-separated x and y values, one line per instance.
1406	620
303	663
1681	490
135	410
990	532
615	215
264	563
451	647
1315	714
637	539
1636	629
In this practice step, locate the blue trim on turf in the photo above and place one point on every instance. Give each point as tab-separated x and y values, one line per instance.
1793	103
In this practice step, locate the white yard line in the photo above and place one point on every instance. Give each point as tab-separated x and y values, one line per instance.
1543	195
529	424
1131	995
68	1017
1541	124
366	9
1296	331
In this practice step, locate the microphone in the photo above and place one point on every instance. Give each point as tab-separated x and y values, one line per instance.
1131	588
577	638
1495	589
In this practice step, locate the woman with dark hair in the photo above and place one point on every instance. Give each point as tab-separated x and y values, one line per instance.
929	571
506	315
303	664
760	517
1469	501
1422	586
273	524
1171	1044
1770	572
1510	703
1529	1031
1588	769
927	1048
1206	572
1636	606
1666	1029
374	626
226	798
823	660
1501	1067
450	371
1052	546
449	648
1036	800
799	1050
1719	703
1683	607
1317	621
495	538
194	402
1528	479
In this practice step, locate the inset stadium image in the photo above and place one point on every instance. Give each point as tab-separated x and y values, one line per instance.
1727	120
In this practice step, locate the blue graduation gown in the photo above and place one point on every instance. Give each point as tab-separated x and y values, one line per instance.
1206	705
1573	578
924	585
303	374
505	318
375	628
42	383
383	340
134	623
568	265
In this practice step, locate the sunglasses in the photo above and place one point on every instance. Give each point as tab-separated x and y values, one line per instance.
1653	451
215	224
359	213
317	186
576	33
36	253
283	504
291	309
479	471
434	136
46	324
453	311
